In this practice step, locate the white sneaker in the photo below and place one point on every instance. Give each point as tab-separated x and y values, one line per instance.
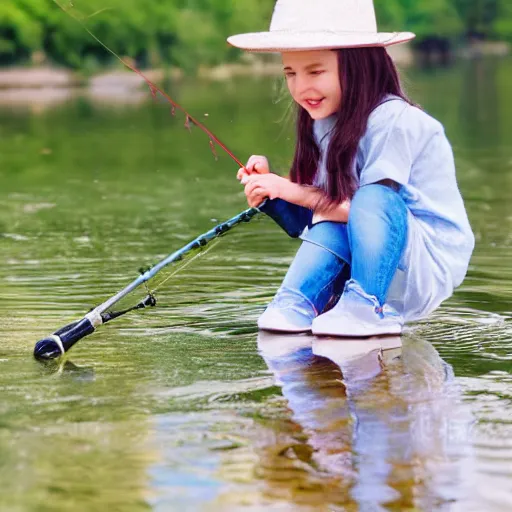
289	312
358	314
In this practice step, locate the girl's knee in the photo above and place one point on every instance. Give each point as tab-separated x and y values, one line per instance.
331	236
376	194
377	201
377	214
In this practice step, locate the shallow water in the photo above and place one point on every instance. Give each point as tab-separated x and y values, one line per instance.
184	407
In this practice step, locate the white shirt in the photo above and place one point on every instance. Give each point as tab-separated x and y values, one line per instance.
404	144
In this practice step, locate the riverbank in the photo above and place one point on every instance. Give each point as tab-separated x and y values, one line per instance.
122	79
44	86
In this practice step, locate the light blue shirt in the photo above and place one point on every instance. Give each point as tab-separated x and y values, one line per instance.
404	144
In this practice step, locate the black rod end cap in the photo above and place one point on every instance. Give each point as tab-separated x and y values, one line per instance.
47	349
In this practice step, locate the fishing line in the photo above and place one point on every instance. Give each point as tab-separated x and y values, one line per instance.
62	340
202	253
150	299
80	18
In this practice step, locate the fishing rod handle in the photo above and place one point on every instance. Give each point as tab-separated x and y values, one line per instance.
62	340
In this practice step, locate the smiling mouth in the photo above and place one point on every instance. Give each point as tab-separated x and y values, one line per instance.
314	103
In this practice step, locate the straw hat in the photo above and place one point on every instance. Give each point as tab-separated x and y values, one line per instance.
318	25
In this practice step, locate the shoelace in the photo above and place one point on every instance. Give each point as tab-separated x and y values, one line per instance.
354	292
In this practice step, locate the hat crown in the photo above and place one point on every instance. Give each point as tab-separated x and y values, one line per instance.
324	15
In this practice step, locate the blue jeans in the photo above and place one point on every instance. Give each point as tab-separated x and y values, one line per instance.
367	249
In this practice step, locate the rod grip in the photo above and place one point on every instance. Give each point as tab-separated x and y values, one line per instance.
63	339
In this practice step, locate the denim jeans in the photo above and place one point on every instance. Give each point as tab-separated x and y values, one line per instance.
367	249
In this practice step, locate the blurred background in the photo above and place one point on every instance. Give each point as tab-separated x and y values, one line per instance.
189	34
174	408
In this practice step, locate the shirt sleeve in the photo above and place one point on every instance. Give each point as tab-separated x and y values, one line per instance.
387	146
292	218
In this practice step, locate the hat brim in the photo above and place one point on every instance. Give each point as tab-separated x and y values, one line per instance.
288	41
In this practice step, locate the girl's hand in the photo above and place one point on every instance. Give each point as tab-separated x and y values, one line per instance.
255	165
260	187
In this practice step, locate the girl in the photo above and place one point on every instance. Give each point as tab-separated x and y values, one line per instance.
372	189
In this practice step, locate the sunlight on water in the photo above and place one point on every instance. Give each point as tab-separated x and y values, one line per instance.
186	406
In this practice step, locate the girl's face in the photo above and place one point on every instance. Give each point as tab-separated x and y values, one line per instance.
313	81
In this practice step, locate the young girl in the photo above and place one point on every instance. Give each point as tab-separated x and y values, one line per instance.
372	189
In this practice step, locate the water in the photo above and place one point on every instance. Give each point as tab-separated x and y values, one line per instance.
185	407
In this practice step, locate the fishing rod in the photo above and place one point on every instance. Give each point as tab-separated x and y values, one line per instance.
291	218
62	340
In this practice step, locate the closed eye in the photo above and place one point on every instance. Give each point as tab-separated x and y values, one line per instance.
317	72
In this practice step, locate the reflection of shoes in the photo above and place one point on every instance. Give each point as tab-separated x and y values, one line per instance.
359	359
340	351
275	345
358	314
289	312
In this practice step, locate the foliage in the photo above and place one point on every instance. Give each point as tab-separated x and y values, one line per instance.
478	15
188	33
435	17
503	23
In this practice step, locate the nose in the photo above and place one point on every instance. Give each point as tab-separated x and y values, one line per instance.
302	84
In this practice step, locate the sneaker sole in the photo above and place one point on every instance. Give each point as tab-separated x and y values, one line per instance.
361	333
284	331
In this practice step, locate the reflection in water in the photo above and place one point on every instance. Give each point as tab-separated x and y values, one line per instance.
380	427
65	368
479	103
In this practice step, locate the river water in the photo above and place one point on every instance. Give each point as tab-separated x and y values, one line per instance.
185	407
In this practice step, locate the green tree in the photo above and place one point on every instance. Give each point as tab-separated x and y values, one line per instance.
128	27
189	33
21	26
478	16
204	25
503	22
391	15
488	18
432	18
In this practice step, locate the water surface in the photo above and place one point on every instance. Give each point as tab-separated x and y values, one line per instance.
185	407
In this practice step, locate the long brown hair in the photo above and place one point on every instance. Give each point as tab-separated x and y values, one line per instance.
367	76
